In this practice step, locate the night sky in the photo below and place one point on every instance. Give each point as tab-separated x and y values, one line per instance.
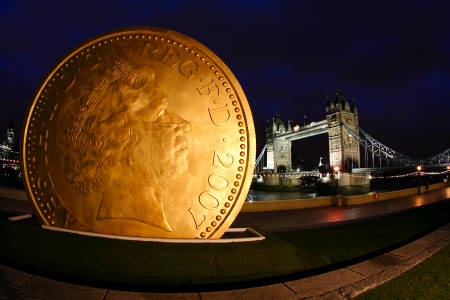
393	57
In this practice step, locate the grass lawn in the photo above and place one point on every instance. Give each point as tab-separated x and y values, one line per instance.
351	241
25	245
428	280
142	263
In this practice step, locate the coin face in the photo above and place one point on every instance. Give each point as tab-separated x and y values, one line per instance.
139	132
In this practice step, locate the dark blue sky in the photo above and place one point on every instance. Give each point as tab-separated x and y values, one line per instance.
393	56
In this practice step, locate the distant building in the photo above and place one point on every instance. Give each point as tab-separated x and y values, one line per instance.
9	156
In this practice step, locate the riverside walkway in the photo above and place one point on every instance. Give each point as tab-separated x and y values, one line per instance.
279	221
287	220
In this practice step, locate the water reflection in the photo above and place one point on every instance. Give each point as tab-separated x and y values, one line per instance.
256	195
268	196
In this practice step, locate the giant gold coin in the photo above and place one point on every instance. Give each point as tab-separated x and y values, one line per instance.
140	132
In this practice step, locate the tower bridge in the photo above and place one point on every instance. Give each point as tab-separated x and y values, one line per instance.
345	141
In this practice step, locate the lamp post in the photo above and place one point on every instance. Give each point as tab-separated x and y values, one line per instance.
336	177
336	170
446	176
419	168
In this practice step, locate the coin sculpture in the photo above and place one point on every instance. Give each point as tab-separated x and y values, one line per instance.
139	132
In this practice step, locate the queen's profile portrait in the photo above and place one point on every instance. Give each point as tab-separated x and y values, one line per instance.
120	140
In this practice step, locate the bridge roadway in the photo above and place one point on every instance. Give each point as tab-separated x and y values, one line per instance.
309	130
279	221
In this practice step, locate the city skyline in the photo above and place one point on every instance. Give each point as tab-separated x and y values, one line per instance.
392	58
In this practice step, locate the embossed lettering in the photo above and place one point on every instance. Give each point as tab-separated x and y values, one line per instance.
67	80
169	57
219	116
195	211
188	69
49	206
92	61
51	117
219	158
46	187
208	200
209	89
217	181
149	49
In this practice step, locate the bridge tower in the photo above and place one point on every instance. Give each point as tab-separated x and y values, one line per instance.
278	148
344	149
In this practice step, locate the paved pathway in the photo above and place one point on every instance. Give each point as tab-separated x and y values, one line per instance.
329	216
299	219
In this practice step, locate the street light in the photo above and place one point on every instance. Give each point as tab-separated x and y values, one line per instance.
419	168
336	171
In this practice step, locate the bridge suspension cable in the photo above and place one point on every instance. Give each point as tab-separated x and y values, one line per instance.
259	164
387	154
439	159
378	149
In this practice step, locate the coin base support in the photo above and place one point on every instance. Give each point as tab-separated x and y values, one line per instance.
232	235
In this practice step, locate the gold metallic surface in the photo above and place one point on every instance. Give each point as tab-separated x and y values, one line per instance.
139	132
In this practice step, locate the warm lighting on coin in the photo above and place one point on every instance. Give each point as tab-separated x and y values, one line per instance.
133	135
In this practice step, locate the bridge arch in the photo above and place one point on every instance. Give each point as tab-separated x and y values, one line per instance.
281	169
343	147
